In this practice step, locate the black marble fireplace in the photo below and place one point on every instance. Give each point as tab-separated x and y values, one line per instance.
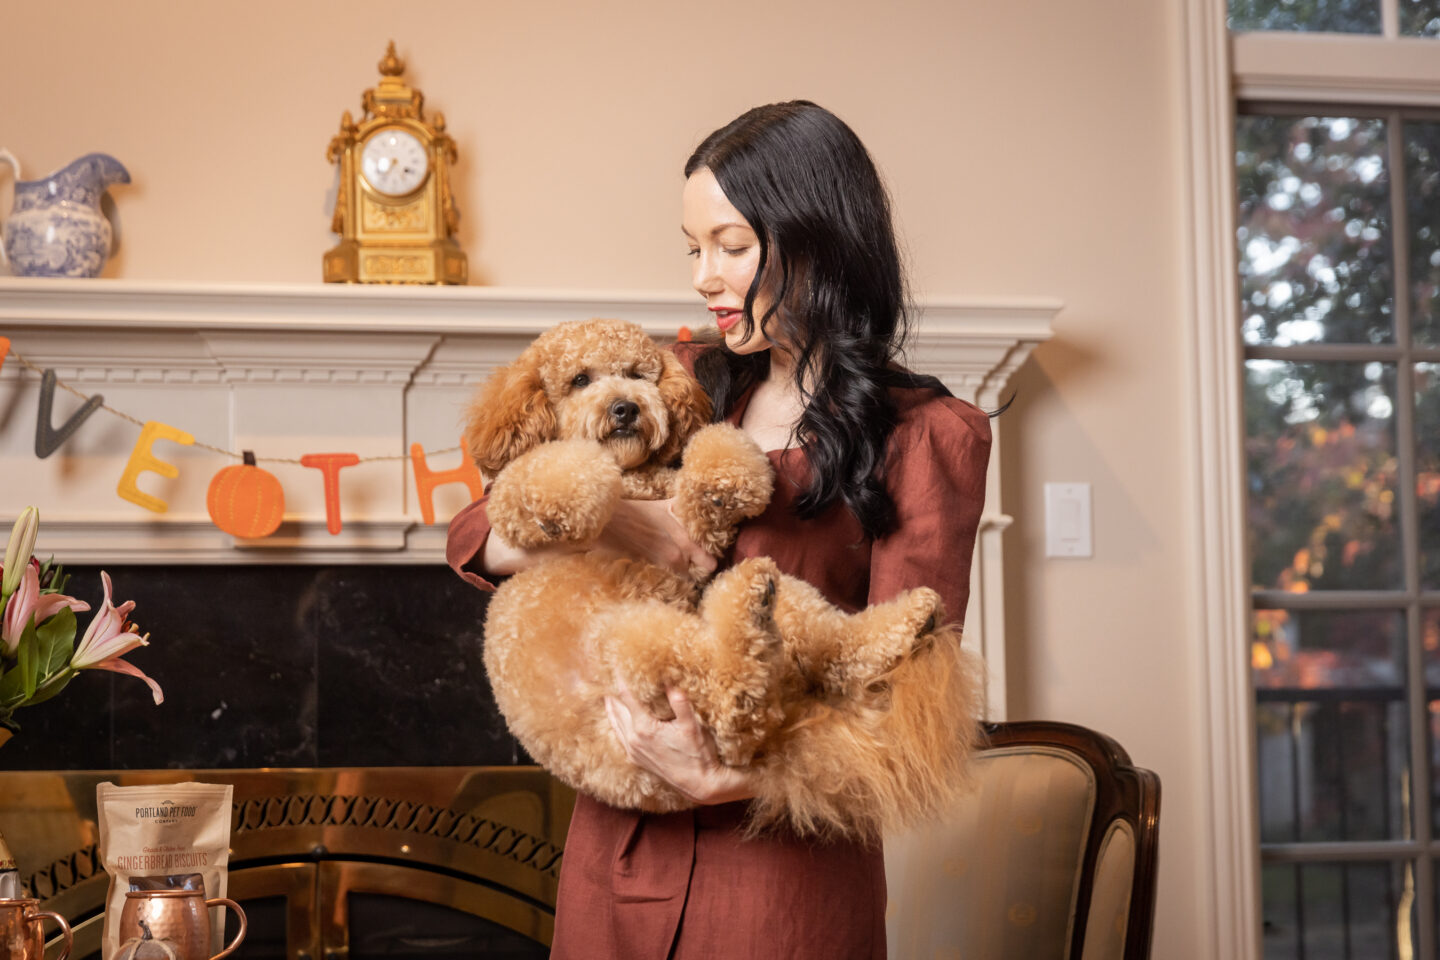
292	666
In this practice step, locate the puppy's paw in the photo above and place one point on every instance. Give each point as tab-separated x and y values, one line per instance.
724	478
742	599
885	635
563	491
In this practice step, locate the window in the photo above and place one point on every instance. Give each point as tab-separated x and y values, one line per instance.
1418	18
1337	229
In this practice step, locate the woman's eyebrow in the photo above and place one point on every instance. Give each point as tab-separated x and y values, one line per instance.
718	229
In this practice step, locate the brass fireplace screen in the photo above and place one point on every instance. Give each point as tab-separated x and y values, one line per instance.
392	861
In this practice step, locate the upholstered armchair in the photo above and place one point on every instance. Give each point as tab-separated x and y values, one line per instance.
1053	857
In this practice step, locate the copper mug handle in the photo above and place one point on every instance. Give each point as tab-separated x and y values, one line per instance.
239	934
39	917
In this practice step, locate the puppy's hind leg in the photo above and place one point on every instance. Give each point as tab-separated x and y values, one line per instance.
562	491
879	638
746	660
727	659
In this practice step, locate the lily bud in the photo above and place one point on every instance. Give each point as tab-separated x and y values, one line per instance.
18	551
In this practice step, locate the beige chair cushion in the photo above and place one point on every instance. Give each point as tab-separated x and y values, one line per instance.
1110	898
998	881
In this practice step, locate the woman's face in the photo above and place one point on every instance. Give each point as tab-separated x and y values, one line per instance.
726	252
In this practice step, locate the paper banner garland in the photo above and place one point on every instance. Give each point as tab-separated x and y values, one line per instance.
47	438
330	464
245	501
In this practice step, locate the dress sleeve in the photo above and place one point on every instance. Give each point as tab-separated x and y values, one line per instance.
936	476
465	541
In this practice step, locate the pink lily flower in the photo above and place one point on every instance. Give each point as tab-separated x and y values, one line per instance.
108	638
28	601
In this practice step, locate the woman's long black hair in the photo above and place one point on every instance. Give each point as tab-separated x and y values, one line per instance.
830	267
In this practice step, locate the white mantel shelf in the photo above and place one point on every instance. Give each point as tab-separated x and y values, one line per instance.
312	307
289	369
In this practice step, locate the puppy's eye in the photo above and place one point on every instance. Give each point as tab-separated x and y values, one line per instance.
635	375
581	380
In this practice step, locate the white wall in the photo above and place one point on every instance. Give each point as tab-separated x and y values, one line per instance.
1034	149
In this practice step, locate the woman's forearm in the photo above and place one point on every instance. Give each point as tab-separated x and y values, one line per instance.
639	528
500	559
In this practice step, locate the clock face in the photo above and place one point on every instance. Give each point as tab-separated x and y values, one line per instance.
394	162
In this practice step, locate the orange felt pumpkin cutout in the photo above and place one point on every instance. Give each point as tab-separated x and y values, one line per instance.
245	501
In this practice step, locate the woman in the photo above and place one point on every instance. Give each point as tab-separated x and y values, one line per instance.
880	482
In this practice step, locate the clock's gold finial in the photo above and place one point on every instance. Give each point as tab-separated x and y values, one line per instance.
391	65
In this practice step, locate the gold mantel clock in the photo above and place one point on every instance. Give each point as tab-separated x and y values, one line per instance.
394	211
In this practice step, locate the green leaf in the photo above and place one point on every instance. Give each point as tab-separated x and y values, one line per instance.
12	689
48	690
57	642
28	660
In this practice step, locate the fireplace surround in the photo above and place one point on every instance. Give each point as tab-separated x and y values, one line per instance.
422	862
291	369
335	678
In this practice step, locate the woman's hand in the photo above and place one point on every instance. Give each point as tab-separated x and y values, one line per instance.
678	751
647	529
642	528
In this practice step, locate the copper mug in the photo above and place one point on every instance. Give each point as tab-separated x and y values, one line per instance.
172	925
22	932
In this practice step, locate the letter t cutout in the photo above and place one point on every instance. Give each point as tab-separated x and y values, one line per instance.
330	464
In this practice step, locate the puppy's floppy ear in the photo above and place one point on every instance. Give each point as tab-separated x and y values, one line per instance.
689	405
509	415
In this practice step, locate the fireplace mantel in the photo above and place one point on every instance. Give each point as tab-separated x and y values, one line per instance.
290	369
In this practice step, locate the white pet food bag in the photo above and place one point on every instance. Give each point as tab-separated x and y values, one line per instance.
171	836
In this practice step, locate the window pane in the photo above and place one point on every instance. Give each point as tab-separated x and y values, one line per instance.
1313	230
1330	911
1430	640
1335	16
1320	451
1281	918
1420	18
1427	470
1332	742
1422	201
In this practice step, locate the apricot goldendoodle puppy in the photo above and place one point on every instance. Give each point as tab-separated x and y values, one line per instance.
855	723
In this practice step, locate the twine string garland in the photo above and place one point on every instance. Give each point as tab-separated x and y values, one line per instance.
203	446
243	500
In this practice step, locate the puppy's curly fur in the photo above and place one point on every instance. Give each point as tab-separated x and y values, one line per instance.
856	724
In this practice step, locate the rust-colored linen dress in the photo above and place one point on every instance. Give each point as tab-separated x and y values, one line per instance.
636	886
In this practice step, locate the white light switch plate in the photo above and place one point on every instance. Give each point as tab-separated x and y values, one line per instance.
1067	520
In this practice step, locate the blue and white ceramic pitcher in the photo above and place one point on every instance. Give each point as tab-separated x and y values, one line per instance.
55	228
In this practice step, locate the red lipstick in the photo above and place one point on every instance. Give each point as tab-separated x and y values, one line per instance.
725	317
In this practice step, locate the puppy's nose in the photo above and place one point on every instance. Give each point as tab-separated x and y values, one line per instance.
624	412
